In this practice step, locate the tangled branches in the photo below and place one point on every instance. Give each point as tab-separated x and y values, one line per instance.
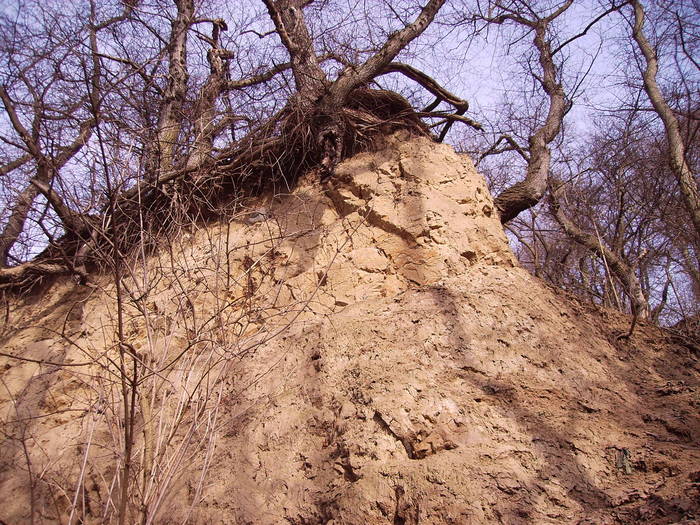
183	170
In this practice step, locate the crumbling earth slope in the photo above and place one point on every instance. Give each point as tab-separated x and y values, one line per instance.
393	365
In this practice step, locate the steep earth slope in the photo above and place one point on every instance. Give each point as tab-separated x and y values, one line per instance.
372	354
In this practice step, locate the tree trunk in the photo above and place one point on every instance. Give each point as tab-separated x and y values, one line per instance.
169	122
528	192
681	169
624	272
319	99
15	224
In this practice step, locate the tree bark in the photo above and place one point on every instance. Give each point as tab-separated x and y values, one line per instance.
354	77
681	169
310	79
205	108
15	224
169	120
46	168
528	192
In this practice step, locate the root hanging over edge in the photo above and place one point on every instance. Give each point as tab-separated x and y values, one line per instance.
272	157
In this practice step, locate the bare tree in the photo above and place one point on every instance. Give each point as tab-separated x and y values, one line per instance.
614	263
614	232
677	149
528	192
624	240
184	156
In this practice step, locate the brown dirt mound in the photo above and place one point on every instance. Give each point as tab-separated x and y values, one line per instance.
379	359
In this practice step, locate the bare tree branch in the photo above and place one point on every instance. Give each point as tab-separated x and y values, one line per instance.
353	77
624	272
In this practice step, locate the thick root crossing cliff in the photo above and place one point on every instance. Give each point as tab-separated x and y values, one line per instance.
362	352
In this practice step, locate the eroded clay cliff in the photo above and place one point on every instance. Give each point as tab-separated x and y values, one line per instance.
362	352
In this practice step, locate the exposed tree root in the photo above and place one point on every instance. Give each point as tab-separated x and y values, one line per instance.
273	156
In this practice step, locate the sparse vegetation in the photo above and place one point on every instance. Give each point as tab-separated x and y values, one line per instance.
164	163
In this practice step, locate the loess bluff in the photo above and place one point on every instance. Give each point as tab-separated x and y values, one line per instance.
363	352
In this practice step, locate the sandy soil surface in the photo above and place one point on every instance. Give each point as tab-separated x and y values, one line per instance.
362	352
